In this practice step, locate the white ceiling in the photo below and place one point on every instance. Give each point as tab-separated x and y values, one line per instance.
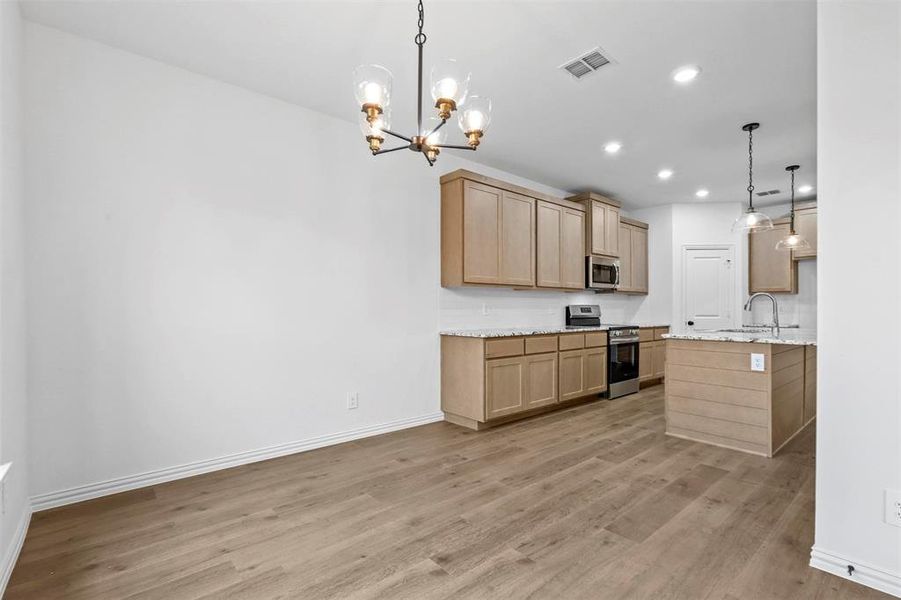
758	60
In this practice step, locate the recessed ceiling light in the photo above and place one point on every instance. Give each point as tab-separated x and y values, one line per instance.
664	173
612	147
805	189
702	193
686	74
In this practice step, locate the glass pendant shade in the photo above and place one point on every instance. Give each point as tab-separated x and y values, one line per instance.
752	220
792	241
449	81
377	127
438	137
372	85
475	115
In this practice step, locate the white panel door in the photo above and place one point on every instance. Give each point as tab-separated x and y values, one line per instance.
708	283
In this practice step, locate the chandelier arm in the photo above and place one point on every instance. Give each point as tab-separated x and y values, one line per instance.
427	159
386	151
439	126
397	135
453	147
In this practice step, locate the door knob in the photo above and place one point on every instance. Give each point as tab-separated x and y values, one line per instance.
691	323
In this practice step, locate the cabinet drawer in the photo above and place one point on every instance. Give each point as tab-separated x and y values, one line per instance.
646	334
540	344
596	340
572	341
659	332
501	347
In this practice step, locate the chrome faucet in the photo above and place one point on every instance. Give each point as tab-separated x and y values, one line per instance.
775	306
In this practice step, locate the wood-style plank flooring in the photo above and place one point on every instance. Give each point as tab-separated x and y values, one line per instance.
589	502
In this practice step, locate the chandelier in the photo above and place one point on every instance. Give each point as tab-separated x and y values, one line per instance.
793	241
449	85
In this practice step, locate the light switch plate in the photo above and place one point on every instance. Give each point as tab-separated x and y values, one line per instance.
757	362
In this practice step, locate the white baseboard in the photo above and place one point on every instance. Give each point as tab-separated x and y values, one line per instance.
131	482
12	552
864	574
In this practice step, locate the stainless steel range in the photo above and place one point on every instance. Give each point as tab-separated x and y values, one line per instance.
622	360
622	348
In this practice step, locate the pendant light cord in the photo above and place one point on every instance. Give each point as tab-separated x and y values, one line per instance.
750	170
791	229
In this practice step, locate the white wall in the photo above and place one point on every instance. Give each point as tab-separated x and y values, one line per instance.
658	306
13	406
212	270
859	420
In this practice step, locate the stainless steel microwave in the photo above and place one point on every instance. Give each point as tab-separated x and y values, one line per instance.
601	273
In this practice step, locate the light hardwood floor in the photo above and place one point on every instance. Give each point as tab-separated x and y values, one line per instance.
589	502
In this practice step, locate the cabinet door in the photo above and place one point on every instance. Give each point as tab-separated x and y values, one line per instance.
770	270
572	259
639	257
572	374
810	383
625	259
505	386
658	352
806	227
481	233
541	379
611	223
517	243
645	361
598	233
549	220
595	370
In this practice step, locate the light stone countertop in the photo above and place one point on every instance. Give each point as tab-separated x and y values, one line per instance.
518	331
798	337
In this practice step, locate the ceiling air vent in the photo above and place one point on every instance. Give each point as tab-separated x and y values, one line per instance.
586	64
768	193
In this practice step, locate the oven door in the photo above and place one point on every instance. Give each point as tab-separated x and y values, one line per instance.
623	362
601	274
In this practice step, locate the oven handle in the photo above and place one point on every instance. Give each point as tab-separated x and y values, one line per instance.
628	340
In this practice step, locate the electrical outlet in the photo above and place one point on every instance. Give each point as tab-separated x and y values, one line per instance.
893	507
353	400
757	362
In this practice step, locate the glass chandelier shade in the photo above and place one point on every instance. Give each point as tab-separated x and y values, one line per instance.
475	115
449	82
752	220
372	86
792	241
437	136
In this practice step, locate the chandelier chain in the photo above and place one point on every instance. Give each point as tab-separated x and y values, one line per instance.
792	226
420	37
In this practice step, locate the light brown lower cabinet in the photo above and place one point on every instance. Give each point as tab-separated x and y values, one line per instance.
652	353
582	372
485	380
810	383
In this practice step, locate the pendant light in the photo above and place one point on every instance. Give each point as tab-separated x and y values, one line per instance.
450	91
751	220
792	241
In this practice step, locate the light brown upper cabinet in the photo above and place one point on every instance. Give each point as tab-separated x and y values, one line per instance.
560	237
771	270
806	227
496	233
601	224
633	256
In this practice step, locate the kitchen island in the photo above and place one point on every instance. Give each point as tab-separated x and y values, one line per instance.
750	391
